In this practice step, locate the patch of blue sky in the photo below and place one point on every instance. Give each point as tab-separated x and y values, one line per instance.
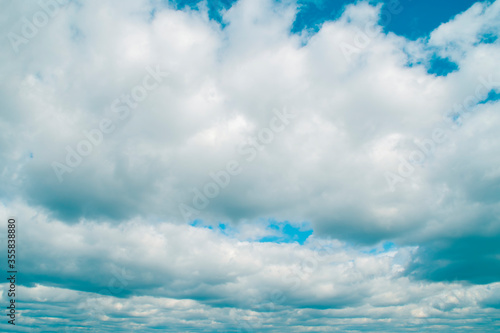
388	246
221	227
433	63
408	18
493	96
313	13
381	248
199	224
214	7
418	18
412	19
288	233
458	117
441	66
279	232
226	229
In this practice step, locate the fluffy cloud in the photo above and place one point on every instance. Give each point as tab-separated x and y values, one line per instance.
182	277
375	148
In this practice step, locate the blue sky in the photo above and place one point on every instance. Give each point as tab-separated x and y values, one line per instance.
411	19
415	19
252	165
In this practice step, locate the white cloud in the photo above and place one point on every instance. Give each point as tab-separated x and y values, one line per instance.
167	274
355	121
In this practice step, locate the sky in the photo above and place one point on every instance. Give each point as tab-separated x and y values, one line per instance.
251	165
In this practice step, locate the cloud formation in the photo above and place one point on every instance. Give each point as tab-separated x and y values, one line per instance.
182	278
117	115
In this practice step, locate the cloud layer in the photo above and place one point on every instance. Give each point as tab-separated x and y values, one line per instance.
124	120
182	278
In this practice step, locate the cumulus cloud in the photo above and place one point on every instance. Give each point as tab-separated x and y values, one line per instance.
121	119
148	276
